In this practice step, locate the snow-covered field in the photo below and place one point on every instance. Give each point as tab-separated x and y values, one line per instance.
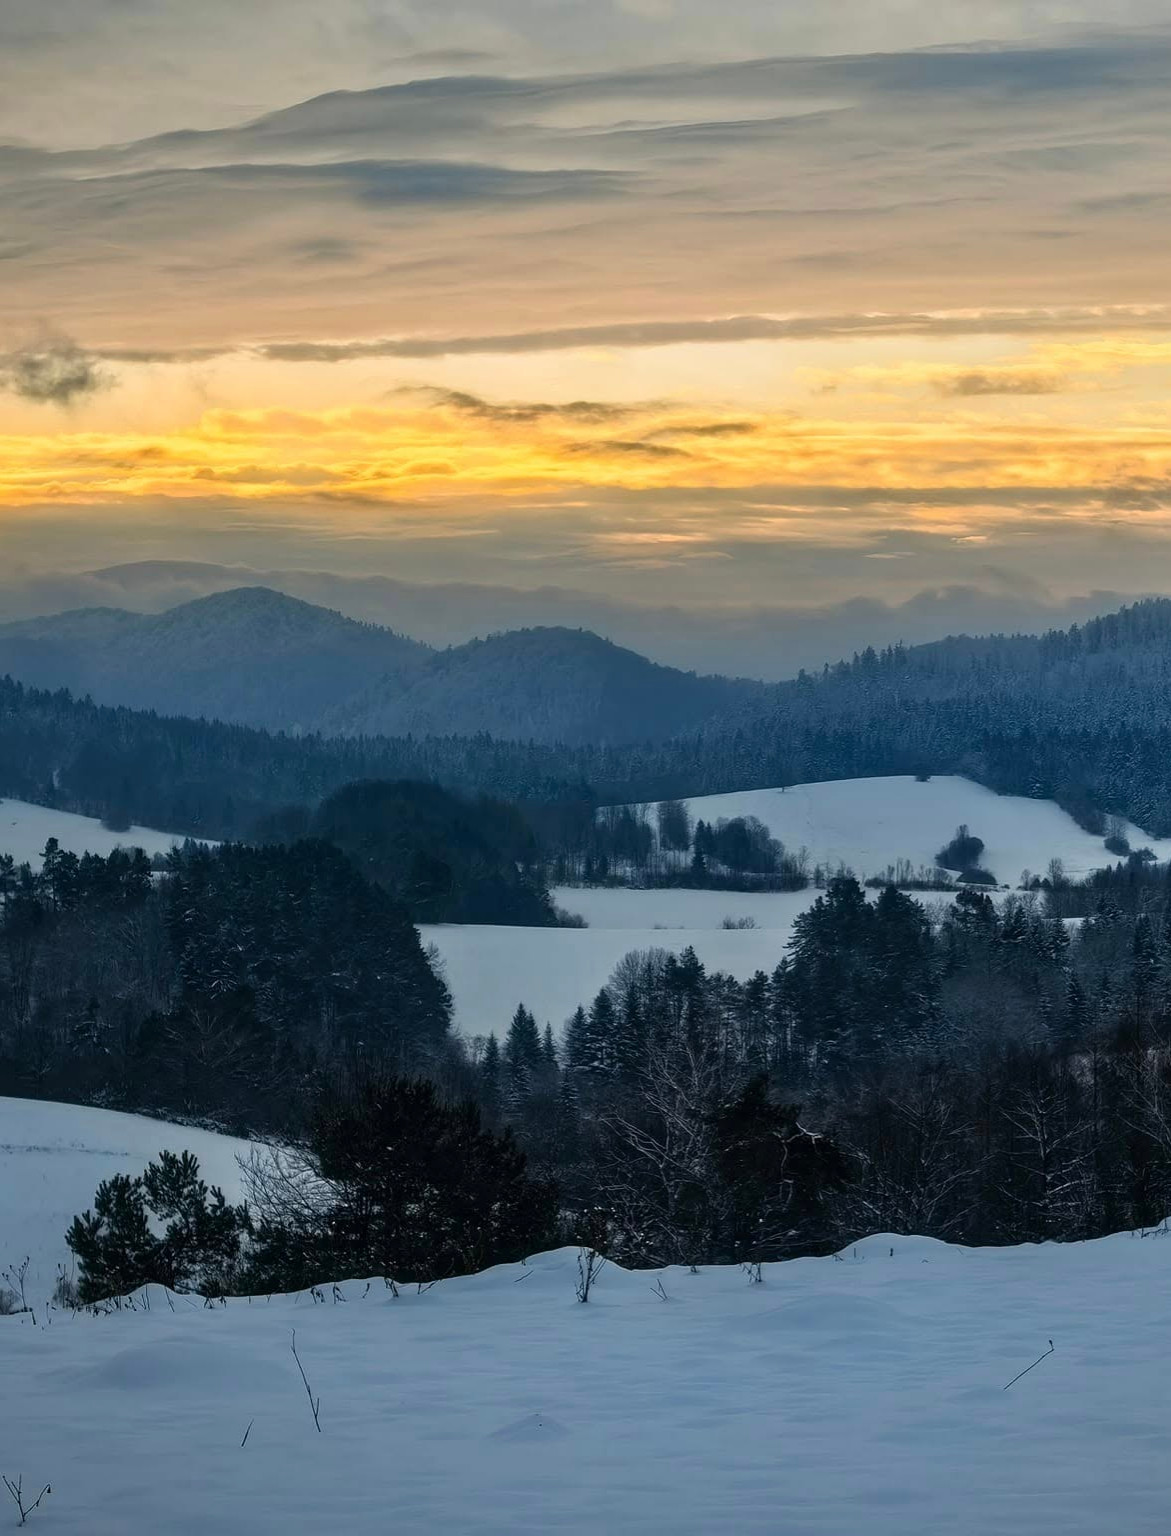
697	911
864	1394
868	824
552	970
864	824
54	1156
25	829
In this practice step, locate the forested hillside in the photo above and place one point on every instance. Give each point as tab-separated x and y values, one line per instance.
546	685
1082	716
258	658
226	988
1078	715
213	780
248	656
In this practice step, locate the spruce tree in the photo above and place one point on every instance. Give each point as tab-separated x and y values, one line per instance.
522	1045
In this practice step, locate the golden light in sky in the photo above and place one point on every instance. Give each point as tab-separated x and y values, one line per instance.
792	293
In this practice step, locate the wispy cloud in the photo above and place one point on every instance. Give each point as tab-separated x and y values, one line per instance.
627	206
512	414
968	383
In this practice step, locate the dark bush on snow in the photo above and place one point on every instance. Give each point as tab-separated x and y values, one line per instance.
962	852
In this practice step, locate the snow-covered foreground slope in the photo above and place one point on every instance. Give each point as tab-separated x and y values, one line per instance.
869	824
839	1397
25	829
54	1156
552	970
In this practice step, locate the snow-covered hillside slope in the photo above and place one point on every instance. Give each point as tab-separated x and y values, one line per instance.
869	824
25	829
54	1156
860	1394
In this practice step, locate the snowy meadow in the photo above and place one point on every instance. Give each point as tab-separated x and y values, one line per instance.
859	1392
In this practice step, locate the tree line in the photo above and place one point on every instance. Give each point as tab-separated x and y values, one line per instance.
988	1075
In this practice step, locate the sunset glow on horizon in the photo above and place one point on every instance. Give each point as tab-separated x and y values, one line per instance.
762	296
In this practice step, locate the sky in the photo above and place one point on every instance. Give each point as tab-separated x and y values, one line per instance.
756	304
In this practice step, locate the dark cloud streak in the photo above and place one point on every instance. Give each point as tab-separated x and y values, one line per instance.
582	412
51	371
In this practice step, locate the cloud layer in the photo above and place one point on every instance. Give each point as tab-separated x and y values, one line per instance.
646	202
592	289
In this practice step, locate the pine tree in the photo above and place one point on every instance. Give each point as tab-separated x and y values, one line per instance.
522	1045
601	1037
568	1119
548	1050
113	1243
1076	1013
630	1037
490	1071
577	1041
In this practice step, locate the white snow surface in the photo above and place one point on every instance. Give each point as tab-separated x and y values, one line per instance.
868	824
860	1394
25	829
697	911
551	970
54	1156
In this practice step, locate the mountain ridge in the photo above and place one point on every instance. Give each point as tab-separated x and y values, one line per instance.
770	643
257	657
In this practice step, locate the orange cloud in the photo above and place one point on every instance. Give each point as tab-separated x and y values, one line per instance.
441	454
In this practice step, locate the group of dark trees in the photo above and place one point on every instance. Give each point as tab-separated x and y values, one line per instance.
222	987
988	1077
962	854
626	845
194	1243
386	1179
447	858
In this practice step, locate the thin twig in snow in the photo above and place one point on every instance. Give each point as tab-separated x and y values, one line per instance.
16	1489
1029	1368
315	1405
